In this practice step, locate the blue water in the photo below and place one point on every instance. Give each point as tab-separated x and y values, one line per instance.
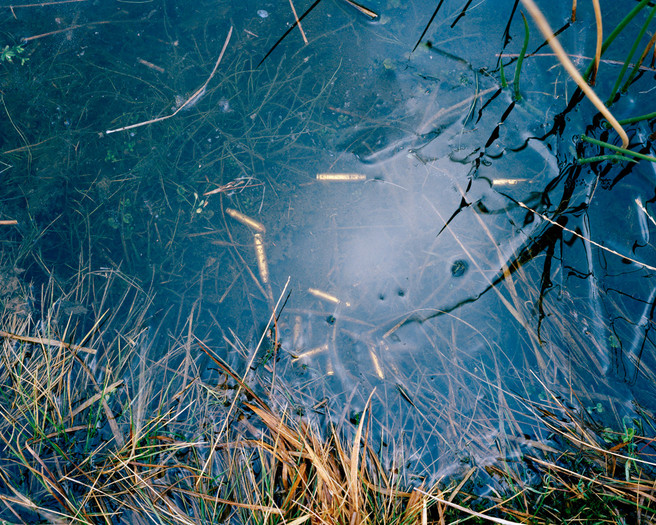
440	291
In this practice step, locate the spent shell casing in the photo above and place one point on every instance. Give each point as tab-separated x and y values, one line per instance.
341	177
245	219
262	264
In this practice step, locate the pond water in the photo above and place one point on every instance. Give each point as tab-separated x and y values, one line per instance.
410	213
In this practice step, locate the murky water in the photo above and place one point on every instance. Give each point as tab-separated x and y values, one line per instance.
412	211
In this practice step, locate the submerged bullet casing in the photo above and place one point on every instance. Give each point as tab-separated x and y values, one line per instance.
246	220
262	264
327	297
313	351
376	362
341	177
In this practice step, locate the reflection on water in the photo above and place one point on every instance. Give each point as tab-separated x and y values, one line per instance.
393	189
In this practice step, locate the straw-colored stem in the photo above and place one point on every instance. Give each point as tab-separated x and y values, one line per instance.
600	41
547	32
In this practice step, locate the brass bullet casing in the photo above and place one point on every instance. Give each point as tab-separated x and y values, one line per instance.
507	182
341	177
311	352
327	297
246	220
262	264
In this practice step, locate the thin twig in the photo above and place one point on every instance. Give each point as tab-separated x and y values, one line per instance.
194	97
70	28
580	57
600	246
43	4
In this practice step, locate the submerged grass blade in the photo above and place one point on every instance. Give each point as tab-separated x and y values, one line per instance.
520	61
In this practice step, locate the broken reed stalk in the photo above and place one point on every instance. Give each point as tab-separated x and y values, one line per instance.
193	98
547	32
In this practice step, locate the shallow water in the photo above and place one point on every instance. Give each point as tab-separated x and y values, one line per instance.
425	279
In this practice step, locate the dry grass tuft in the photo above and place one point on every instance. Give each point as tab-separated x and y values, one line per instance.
96	431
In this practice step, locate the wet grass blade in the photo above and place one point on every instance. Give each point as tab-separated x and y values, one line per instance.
601	158
615	33
636	67
625	151
520	61
634	47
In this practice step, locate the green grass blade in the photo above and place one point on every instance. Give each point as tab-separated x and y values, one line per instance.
617	148
520	60
634	47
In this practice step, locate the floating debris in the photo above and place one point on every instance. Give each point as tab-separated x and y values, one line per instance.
245	219
341	177
262	265
327	297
